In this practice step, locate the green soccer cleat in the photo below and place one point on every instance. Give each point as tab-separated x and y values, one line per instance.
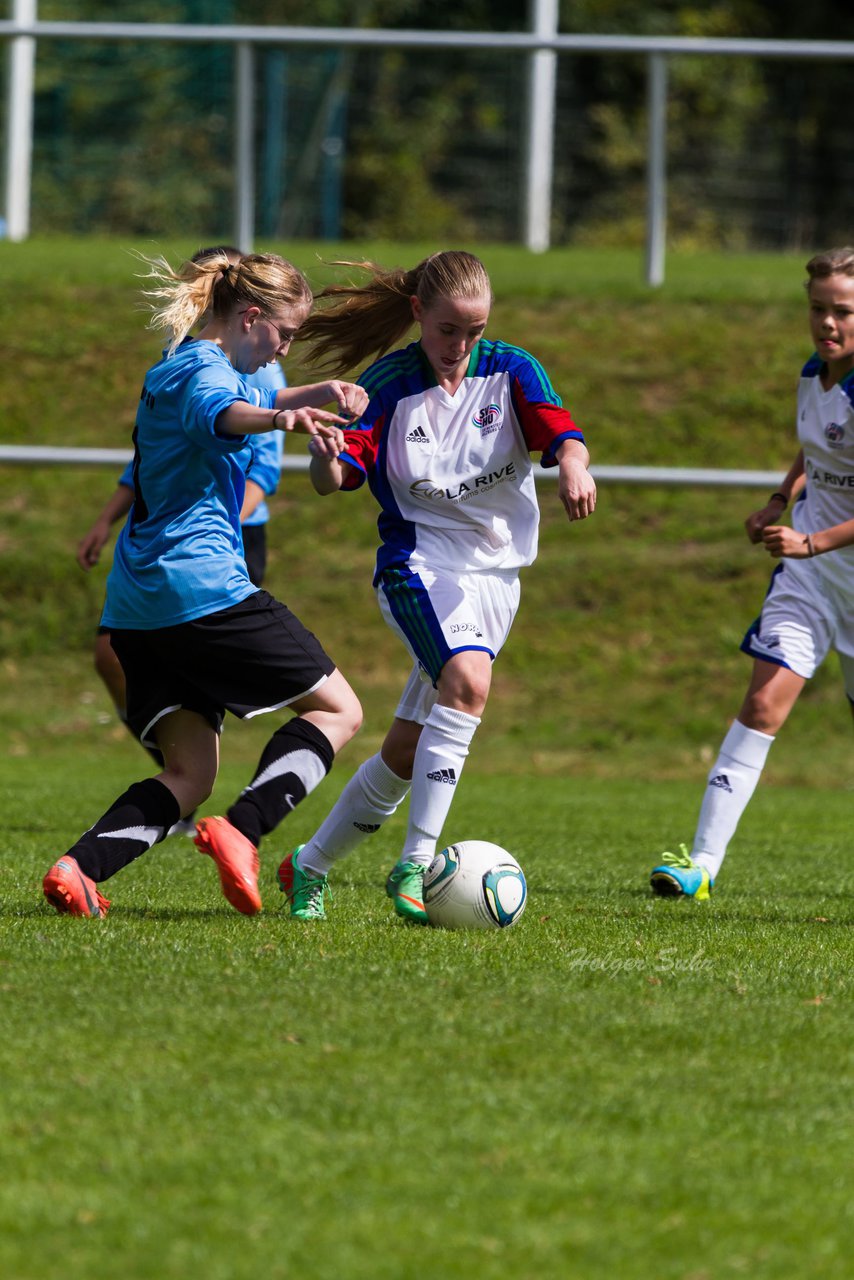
405	887
679	877
304	892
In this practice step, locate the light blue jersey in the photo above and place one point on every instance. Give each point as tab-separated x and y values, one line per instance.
180	554
263	460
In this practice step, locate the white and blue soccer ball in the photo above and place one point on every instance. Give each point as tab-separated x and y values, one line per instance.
474	885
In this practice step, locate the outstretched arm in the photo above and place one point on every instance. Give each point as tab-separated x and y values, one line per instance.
351	399
576	486
780	540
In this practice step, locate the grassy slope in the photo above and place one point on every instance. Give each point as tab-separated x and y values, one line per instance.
633	617
617	1087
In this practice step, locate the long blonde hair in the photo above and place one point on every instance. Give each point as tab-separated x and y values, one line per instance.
832	262
216	284
367	319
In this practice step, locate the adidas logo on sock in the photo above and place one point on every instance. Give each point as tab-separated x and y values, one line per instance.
418	436
444	775
368	827
722	781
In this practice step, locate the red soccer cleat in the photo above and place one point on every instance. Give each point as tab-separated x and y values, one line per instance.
70	892
236	861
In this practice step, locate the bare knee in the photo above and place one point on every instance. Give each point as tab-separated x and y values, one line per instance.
190	786
772	693
353	717
465	690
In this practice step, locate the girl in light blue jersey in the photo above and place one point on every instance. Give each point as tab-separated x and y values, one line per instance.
193	634
262	462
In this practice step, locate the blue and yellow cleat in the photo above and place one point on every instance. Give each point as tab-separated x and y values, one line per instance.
680	877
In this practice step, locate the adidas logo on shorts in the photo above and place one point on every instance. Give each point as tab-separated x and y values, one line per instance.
444	775
418	436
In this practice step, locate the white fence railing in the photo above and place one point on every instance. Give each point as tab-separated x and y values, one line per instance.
701	477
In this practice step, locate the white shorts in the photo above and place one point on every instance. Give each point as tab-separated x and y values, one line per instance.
802	619
437	615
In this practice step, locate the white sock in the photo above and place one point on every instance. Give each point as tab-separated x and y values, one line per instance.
439	759
732	781
371	796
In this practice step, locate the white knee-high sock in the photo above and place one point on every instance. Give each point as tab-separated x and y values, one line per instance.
731	783
439	759
371	796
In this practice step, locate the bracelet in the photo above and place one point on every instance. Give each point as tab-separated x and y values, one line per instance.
810	547
782	497
275	416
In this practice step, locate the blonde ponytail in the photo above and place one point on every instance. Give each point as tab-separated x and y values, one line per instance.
366	320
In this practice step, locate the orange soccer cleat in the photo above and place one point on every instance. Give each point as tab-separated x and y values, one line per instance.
70	892
236	861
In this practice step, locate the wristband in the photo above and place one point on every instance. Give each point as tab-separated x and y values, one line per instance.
810	547
782	497
275	417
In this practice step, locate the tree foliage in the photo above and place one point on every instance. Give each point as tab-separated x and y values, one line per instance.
139	139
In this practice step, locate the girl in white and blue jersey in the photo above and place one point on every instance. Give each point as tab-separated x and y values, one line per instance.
809	608
445	445
195	637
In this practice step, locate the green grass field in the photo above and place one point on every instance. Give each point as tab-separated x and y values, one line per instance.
617	1086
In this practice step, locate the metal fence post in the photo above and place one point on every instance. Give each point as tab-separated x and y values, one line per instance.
244	148
656	168
19	124
541	115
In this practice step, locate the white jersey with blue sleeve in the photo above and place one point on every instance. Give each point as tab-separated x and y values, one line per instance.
180	554
453	473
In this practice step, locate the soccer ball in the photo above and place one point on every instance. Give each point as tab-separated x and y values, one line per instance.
474	885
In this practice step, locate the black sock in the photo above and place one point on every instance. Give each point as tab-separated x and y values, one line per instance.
296	758
136	821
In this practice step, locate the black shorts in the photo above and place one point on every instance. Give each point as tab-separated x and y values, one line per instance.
255	551
253	657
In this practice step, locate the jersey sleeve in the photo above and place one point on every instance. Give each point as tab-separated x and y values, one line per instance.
212	390
544	421
361	446
126	478
265	464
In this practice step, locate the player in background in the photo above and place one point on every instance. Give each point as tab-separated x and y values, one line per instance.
809	608
445	446
194	636
262	461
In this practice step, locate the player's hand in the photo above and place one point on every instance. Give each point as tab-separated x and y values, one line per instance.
577	489
91	545
352	400
326	444
313	422
780	540
759	520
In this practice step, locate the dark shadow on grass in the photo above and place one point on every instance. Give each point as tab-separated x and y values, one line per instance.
39	911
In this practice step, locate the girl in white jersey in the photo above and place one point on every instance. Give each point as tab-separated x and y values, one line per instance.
445	447
194	635
809	608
